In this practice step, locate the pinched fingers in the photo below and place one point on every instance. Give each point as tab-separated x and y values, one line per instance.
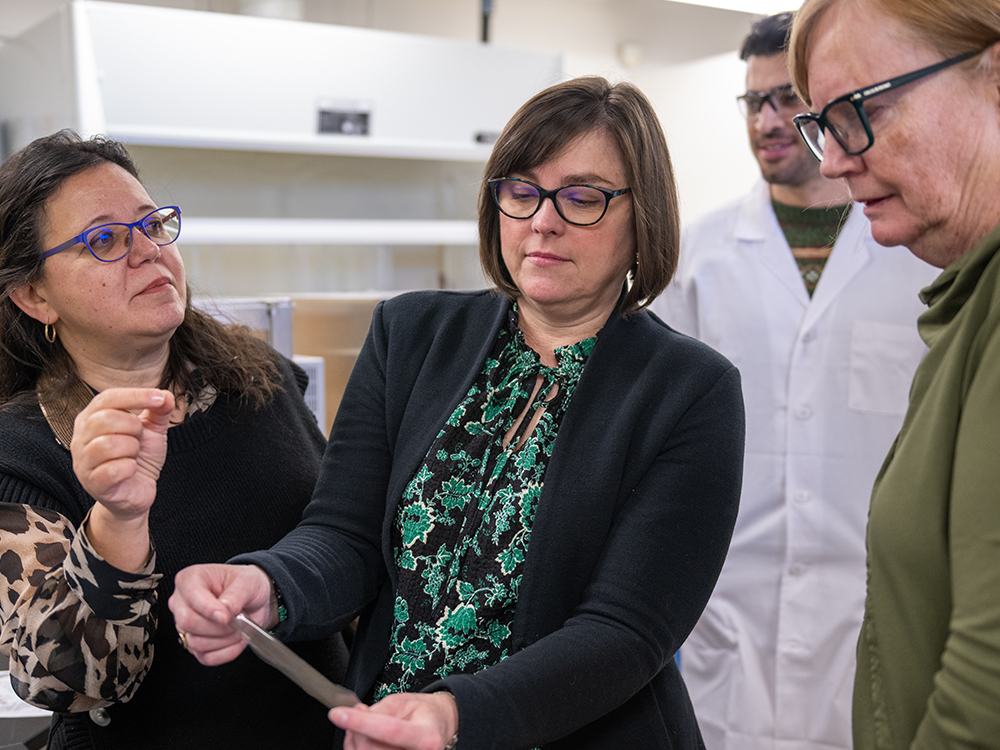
119	445
205	599
406	721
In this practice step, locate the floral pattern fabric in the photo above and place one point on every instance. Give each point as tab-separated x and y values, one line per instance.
463	525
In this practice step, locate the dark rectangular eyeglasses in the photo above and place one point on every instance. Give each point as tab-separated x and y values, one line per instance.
783	100
581	205
845	118
111	242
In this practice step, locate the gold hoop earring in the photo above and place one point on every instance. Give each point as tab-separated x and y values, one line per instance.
50	333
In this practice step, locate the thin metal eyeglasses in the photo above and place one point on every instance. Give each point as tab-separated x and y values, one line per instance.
580	205
783	100
845	117
111	242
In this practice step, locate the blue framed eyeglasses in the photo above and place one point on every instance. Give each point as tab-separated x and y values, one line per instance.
581	205
111	242
846	120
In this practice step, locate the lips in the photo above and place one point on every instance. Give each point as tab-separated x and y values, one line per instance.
872	202
773	149
545	258
158	285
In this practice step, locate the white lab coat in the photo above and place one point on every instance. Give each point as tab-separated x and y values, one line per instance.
771	662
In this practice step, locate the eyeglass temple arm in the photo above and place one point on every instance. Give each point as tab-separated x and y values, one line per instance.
64	246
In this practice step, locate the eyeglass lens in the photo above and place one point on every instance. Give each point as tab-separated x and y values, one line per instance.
113	241
577	204
781	98
845	124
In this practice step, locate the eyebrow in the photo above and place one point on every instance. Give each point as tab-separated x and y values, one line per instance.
584	178
100	219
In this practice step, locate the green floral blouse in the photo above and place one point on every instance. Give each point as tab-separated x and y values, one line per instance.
463	524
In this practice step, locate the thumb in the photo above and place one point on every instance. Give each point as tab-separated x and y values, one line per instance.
157	416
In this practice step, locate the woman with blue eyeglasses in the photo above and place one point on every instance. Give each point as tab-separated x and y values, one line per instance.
529	490
905	98
137	436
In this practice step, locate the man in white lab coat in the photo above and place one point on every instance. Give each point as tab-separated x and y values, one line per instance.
825	337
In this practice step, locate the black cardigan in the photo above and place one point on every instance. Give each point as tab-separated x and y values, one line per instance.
631	531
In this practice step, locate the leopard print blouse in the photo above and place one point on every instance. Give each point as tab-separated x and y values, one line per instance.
79	627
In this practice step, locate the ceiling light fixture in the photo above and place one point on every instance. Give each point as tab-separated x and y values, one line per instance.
759	7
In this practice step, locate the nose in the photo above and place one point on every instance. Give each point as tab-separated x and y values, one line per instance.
143	248
768	117
836	162
547	218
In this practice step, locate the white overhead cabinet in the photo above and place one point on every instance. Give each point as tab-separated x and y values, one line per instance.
285	143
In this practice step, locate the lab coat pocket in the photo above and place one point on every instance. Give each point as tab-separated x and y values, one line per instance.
883	360
710	666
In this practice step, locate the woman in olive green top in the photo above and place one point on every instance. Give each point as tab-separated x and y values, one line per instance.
905	100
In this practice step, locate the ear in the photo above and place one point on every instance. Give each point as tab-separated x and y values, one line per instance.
33	303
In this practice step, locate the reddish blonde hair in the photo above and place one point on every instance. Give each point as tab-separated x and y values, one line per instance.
952	27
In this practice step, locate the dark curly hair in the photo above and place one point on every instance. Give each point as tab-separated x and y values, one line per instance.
203	351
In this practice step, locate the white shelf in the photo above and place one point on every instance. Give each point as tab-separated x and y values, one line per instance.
251	231
341	145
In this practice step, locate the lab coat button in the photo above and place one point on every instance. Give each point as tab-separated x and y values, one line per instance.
801	496
804	412
796	569
809	335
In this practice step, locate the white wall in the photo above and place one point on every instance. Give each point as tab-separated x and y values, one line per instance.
707	135
685	61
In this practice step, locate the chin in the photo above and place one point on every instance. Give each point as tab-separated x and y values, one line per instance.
894	230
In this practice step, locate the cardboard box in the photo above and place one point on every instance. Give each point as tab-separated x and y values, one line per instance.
333	327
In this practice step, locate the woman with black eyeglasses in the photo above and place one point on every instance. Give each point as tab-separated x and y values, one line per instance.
906	108
137	436
529	491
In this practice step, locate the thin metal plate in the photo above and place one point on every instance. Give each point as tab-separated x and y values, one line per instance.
293	666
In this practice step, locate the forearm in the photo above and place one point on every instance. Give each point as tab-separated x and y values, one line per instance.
71	623
123	543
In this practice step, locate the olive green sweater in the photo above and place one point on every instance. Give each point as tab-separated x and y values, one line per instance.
929	652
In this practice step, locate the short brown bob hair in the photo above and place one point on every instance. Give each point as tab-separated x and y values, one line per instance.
554	118
952	27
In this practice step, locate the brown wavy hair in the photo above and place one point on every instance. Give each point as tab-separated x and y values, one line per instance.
203	351
551	120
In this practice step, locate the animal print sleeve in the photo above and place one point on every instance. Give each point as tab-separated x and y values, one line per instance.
71	624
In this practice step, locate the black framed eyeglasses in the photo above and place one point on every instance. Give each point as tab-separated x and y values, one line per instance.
783	100
580	205
845	118
111	242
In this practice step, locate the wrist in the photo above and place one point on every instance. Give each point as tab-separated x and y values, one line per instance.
452	722
121	542
279	612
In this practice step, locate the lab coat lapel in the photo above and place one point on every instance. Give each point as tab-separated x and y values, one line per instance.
851	253
757	229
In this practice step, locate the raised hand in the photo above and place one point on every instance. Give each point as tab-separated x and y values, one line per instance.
119	446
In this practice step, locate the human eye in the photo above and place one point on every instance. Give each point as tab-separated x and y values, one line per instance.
101	239
581	196
105	241
873	109
753	101
521	191
154	227
788	98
